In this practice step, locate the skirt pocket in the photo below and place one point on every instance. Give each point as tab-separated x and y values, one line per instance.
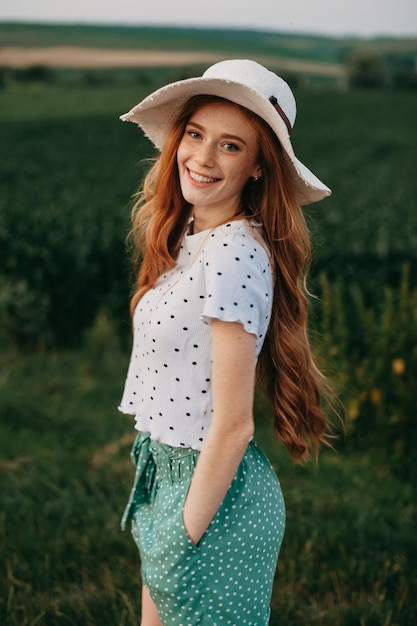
170	560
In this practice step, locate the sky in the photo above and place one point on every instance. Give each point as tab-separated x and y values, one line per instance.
329	17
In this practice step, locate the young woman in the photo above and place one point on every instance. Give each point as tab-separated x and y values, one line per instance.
220	295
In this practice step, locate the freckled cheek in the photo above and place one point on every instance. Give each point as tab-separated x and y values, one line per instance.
238	181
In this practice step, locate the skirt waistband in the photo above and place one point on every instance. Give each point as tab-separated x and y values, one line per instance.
173	464
155	463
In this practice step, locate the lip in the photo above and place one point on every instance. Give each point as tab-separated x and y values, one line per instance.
204	181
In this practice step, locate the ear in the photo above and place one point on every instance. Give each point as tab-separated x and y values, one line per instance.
257	174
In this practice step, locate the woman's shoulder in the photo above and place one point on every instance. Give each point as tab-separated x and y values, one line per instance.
242	237
235	250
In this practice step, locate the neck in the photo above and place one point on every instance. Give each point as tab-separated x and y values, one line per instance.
203	219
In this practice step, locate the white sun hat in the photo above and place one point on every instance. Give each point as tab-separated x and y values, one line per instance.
243	82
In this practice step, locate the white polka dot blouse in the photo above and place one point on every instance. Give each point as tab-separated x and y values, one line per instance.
222	273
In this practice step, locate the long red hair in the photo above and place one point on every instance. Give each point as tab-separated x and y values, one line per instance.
286	368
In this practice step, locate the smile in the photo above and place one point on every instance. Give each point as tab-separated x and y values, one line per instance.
201	179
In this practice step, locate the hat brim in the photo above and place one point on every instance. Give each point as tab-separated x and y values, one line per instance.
156	113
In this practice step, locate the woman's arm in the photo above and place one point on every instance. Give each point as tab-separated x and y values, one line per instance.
233	382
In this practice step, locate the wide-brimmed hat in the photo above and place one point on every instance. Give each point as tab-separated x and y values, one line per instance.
243	82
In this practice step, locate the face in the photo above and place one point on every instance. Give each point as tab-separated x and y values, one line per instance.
217	156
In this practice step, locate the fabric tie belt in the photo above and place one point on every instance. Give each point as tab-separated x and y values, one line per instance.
156	462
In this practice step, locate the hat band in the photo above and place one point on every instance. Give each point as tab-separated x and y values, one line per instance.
281	113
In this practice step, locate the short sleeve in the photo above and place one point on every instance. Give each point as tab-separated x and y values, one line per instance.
238	282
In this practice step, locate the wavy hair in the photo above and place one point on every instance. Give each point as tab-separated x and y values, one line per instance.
286	368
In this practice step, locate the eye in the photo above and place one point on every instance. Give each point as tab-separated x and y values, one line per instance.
231	147
194	134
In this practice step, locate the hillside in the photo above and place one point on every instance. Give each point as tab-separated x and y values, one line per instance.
243	42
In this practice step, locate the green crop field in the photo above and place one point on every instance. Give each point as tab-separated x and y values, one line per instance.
68	168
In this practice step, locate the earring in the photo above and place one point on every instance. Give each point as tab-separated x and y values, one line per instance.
255	178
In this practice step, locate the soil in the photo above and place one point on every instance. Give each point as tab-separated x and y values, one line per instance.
100	58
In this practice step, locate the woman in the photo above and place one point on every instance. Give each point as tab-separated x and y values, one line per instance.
225	250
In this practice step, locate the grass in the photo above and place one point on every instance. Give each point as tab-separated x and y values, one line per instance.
67	170
348	554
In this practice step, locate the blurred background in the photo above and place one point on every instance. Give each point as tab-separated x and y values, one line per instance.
68	171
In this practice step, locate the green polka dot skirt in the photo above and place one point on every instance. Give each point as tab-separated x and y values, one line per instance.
227	578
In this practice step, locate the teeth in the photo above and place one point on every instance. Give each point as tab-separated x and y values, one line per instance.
201	179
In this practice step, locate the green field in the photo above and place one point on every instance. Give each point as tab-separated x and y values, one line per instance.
304	46
395	53
349	551
68	168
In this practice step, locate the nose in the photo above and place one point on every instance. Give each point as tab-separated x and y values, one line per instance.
205	154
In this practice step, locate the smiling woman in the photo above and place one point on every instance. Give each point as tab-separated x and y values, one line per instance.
216	157
218	298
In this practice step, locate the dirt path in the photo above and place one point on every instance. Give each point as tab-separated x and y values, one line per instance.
101	58
95	57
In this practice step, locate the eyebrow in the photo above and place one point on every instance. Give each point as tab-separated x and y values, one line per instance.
224	136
